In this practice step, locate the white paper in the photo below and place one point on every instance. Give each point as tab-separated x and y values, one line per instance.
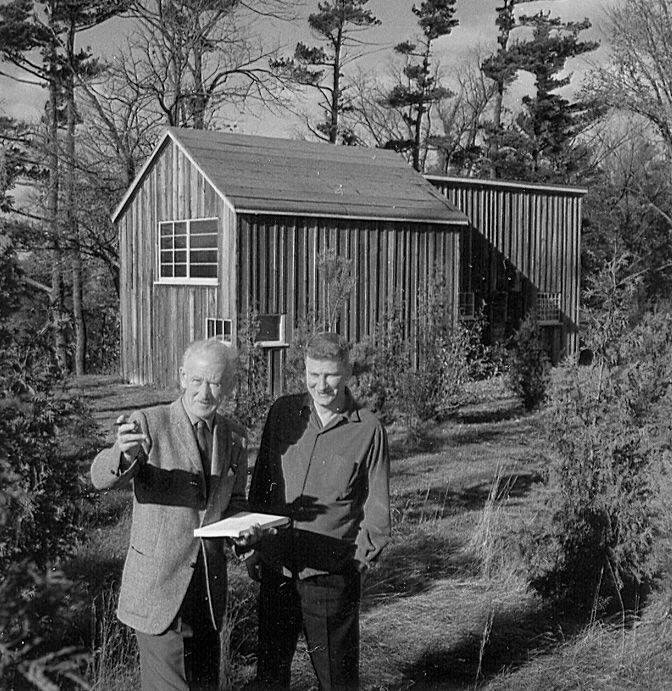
234	525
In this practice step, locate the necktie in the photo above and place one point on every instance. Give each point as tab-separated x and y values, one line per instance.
202	439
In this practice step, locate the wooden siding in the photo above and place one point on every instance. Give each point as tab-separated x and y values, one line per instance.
522	240
158	320
279	269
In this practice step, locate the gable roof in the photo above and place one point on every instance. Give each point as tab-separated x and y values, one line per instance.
283	176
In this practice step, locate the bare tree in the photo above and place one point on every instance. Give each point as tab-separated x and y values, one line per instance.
192	57
638	78
372	122
463	116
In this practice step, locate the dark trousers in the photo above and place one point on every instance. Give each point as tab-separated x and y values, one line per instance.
327	608
185	657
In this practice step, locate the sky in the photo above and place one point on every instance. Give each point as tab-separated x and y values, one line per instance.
476	29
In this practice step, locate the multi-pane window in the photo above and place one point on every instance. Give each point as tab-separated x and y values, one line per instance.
467	306
548	308
188	249
218	328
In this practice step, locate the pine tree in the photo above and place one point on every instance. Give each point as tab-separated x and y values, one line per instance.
421	90
39	39
541	141
336	24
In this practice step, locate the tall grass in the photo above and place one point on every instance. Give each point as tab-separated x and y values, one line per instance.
486	545
115	664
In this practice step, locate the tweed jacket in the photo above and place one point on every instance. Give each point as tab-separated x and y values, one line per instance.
169	502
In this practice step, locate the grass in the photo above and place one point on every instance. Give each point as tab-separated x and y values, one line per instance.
448	606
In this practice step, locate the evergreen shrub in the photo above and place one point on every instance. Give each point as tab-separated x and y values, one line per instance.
528	364
593	547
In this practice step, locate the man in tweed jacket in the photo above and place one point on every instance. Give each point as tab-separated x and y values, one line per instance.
187	468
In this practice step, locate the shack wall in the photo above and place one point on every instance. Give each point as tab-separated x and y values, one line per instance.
522	240
160	318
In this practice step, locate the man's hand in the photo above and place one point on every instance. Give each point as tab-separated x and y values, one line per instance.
129	438
253	565
250	537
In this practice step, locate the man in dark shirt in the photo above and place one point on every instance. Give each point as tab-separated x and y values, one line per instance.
323	462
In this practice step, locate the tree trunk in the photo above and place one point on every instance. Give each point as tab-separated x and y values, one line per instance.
56	307
336	94
72	224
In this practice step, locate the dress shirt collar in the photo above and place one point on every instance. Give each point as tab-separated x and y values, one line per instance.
350	412
193	419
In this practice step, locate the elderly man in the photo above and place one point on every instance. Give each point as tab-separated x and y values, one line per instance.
323	461
188	468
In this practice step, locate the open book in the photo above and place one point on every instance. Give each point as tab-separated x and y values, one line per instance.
234	525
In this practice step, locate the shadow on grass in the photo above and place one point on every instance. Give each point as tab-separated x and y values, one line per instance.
515	635
488	414
411	566
447	440
440	502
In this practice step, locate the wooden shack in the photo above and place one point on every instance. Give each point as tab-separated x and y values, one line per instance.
520	251
217	225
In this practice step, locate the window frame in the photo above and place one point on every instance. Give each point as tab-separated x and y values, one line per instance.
282	333
186	280
466	307
551	302
224	338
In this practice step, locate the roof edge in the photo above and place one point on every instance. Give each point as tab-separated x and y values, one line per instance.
358	217
567	189
168	134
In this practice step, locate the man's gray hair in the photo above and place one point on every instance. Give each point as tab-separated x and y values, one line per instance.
215	348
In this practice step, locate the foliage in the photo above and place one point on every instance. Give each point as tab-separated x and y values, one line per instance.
335	23
337	281
541	141
628	209
41	499
529	367
191	60
609	430
42	486
637	79
336	275
421	89
422	381
251	398
36	606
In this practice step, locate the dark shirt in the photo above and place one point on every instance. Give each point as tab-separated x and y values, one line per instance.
332	481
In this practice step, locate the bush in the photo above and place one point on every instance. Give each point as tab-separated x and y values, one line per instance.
417	369
608	426
35	608
251	399
41	499
42	486
529	367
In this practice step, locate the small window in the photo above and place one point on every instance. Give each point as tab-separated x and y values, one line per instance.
271	330
218	328
548	308
467	306
188	250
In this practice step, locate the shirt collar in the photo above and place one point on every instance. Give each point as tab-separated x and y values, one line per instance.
194	420
350	412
